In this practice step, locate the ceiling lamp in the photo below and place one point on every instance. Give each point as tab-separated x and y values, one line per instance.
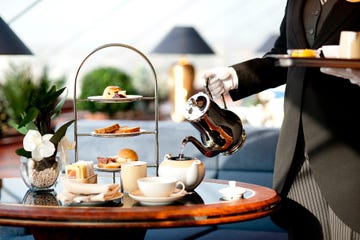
182	40
10	43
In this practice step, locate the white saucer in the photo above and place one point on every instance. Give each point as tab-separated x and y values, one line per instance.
153	201
111	135
97	168
115	199
128	98
232	193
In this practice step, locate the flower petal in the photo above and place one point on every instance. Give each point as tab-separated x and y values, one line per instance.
36	155
31	140
66	143
46	149
43	150
47	137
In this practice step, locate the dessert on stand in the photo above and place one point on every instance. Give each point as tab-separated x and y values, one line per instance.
116	95
82	171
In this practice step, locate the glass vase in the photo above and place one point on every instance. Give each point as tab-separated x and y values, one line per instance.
40	175
41	198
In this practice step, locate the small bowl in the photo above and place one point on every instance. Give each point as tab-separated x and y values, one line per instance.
232	192
329	51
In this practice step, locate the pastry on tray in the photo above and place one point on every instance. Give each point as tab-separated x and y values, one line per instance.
303	53
109	129
114	92
126	129
117	129
124	155
81	171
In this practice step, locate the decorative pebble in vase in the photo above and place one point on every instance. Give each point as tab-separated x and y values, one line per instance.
40	175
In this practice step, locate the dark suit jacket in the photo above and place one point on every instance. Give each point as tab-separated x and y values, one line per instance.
325	107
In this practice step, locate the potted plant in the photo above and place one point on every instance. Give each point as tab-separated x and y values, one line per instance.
32	105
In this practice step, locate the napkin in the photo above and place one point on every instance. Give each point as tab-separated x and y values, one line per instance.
88	192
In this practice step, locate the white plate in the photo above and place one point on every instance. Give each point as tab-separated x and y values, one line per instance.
129	98
154	201
109	135
106	169
116	198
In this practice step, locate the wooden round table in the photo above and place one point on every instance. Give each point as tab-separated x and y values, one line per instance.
128	218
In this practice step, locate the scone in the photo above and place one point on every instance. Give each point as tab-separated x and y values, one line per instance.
126	155
114	92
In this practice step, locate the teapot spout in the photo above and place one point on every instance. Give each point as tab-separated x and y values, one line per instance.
203	149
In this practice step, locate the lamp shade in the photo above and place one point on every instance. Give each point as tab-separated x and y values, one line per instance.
10	43
183	40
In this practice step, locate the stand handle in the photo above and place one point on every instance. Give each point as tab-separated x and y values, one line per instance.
155	90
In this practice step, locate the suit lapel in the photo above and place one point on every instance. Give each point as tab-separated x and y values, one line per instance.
340	11
296	25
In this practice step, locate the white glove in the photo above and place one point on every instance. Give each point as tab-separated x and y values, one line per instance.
220	80
348	73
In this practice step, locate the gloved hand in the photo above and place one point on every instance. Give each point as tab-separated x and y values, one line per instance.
348	73
220	80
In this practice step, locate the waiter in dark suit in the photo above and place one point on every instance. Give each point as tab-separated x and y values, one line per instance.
317	168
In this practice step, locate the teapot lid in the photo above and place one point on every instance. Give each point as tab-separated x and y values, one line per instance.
180	158
196	106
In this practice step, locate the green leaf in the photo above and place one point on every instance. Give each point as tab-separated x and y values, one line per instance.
60	133
24	129
58	107
13	124
23	152
31	114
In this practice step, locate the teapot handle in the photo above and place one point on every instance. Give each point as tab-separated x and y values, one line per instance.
209	93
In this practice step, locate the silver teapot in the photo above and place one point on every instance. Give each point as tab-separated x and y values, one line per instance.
221	130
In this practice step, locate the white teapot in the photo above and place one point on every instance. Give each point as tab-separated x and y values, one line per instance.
190	171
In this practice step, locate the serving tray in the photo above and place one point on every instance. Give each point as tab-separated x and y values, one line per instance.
286	61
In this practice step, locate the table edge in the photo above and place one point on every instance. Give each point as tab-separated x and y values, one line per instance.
187	215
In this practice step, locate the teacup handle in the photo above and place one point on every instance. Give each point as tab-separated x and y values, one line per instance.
181	191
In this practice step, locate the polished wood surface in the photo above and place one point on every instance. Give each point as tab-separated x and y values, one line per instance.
97	220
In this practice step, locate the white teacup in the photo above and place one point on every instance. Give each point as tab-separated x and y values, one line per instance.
160	186
349	44
330	51
130	173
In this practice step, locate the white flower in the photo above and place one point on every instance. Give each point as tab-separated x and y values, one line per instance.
65	144
39	146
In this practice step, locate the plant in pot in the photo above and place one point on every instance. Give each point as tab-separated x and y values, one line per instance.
31	106
94	83
3	117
